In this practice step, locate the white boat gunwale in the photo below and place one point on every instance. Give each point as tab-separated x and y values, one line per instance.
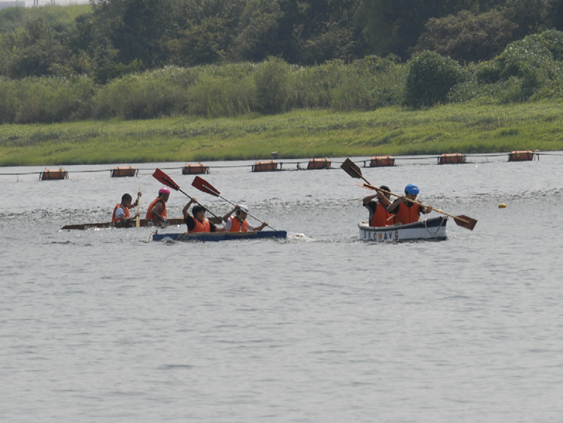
427	229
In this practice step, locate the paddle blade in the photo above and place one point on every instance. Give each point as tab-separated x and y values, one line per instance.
165	179
465	221
351	169
202	185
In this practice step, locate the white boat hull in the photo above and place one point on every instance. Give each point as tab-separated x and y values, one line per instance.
428	229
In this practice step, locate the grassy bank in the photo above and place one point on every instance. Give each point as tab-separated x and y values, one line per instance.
395	131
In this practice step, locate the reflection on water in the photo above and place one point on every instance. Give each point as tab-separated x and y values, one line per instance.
104	325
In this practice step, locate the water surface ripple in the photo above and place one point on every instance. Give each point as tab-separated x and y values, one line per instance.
104	325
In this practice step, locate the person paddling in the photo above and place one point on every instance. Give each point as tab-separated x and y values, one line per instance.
405	210
378	214
157	209
238	222
198	222
121	210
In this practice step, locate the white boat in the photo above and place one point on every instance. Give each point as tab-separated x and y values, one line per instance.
428	229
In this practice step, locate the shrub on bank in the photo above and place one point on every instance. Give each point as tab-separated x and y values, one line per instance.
430	79
45	100
138	97
273	81
368	84
214	96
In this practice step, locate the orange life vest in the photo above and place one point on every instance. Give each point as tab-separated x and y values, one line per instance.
201	227
381	217
406	214
125	211
236	226
151	206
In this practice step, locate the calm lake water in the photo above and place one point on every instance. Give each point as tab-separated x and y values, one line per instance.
106	326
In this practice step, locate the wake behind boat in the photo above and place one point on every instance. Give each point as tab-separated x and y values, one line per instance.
127	224
218	236
428	229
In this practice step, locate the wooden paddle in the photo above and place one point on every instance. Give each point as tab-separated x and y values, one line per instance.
138	219
355	172
206	187
168	181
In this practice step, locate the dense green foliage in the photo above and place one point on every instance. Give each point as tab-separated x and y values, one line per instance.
430	79
529	69
142	59
110	38
272	86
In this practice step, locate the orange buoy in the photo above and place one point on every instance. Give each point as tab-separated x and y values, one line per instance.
53	174
319	164
265	166
120	172
520	156
453	158
379	161
194	169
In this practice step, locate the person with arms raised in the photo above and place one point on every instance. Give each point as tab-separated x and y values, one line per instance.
238	221
406	209
378	214
198	222
121	211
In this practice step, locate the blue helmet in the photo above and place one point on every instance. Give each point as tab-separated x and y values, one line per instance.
411	189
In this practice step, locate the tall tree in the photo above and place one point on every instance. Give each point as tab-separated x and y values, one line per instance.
316	30
467	37
258	32
137	28
394	26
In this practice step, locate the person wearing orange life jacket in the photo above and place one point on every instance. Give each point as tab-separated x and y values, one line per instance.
378	214
238	222
157	209
198	222
121	211
404	208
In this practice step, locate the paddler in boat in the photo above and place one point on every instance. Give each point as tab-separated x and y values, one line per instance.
378	214
198	222
237	222
157	209
121	210
405	210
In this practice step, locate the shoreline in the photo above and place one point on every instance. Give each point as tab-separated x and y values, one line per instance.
458	128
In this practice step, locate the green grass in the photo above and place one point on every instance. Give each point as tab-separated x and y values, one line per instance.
453	128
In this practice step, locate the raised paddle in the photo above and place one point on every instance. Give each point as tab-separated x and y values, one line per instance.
206	187
355	172
168	181
138	219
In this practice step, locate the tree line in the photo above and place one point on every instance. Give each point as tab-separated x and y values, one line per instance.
60	64
111	38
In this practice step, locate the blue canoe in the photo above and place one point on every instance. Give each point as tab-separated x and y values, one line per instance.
218	236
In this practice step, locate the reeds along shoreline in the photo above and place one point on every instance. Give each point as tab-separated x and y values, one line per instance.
274	87
454	128
210	91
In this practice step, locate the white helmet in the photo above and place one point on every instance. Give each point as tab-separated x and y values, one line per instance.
243	208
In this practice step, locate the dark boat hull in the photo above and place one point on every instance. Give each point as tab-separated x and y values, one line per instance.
218	236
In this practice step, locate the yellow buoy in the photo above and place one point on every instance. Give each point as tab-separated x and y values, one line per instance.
502	206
